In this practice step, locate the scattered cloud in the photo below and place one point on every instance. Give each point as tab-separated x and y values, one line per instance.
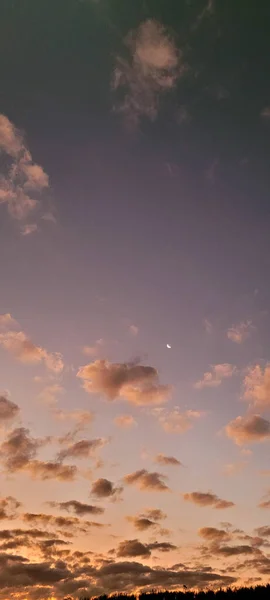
24	181
153	68
208	326
103	488
207	499
241	332
177	421
134	382
214	377
234	468
147	481
142	523
79	508
212	534
81	449
20	346
125	421
95	349
7	321
29	228
265	503
155	514
49	394
133	548
9	508
45	470
19	449
244	430
8	410
257	386
133	330
161	459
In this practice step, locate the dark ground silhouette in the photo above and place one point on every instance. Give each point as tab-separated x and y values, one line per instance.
252	593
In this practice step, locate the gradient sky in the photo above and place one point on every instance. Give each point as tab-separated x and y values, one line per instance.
134	193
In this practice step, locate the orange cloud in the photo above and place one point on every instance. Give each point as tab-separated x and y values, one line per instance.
146	480
257	386
241	332
18	344
243	430
207	499
125	421
214	377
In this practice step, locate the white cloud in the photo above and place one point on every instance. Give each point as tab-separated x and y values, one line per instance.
22	177
214	377
154	66
29	228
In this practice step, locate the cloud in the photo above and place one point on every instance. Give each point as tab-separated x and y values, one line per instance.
79	508
265	503
7	321
265	112
234	468
213	534
18	344
81	449
177	422
153	67
8	508
125	421
8	410
133	330
161	459
103	488
207	499
243	430
19	449
29	228
263	531
142	523
95	349
134	382
148	481
45	470
70	524
235	550
155	513
257	386
241	332
133	548
82	418
214	377
49	394
23	181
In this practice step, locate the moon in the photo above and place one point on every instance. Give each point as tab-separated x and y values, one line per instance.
168	346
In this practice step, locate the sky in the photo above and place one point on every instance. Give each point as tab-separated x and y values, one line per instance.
134	304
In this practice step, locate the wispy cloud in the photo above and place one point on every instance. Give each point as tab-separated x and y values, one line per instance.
146	480
24	180
215	377
207	499
125	421
153	67
171	461
257	386
241	332
176	421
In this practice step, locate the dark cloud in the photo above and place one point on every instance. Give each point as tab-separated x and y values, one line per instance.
52	470
214	535
147	480
142	523
155	513
103	488
8	410
8	507
19	449
162	546
132	548
161	459
235	550
207	499
136	383
79	508
71	524
81	449
263	531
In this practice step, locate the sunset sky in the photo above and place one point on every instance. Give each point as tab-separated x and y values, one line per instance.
135	296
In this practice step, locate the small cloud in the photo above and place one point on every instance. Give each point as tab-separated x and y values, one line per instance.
8	410
208	326
265	112
29	228
43	470
234	468
215	377
147	481
103	488
207	499
18	344
178	422
142	523
136	383
133	548
161	459
257	386
81	449
213	534
7	321
23	178
93	350
245	430
49	394
125	421
133	330
241	332
153	68
79	508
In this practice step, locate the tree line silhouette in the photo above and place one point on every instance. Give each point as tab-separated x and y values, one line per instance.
259	592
